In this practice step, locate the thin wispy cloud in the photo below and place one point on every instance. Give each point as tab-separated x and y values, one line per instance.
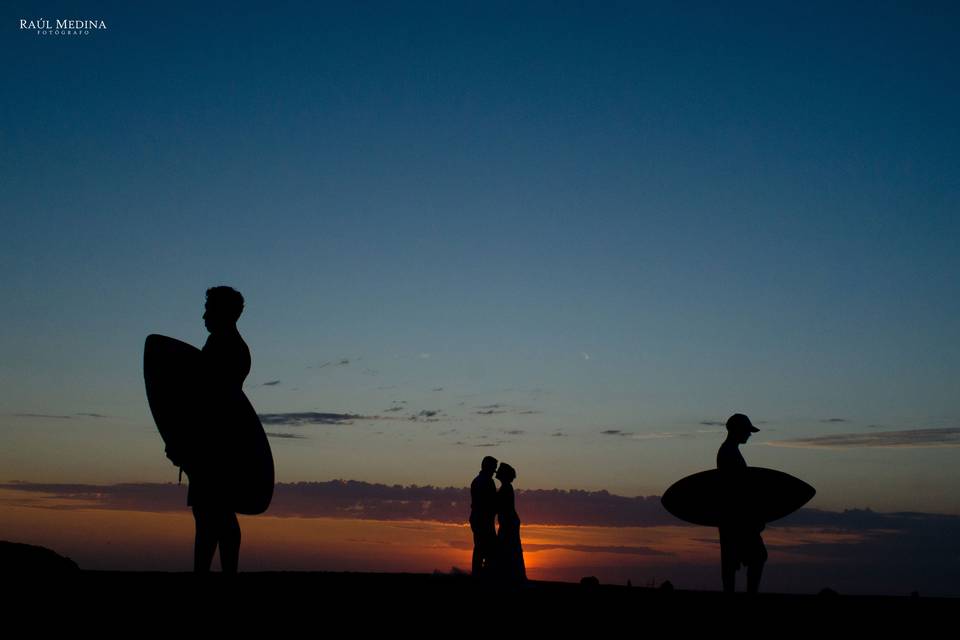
42	415
499	408
587	548
272	383
311	418
914	438
427	415
286	436
834	420
651	436
342	362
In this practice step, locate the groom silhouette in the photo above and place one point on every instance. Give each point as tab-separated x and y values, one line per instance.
483	512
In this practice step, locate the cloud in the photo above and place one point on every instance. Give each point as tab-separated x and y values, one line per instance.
312	417
290	436
514	432
948	437
498	408
272	383
437	389
586	548
558	434
93	415
426	415
713	423
342	362
42	415
834	420
355	499
583	548
614	432
364	500
852	551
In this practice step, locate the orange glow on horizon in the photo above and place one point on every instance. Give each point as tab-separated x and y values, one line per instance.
135	540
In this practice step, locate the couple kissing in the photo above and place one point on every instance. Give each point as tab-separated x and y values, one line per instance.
497	554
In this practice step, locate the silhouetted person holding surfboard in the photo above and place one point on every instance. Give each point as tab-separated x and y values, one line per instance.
210	428
740	541
226	363
483	512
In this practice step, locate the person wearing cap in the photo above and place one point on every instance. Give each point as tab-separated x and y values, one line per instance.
740	541
483	512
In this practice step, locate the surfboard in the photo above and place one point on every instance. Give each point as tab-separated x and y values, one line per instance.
753	494
190	418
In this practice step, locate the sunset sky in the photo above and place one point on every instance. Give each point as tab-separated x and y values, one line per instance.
575	236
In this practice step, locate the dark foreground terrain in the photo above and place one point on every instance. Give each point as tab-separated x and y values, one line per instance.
439	604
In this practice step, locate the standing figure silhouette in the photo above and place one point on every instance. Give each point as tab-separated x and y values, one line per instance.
483	513
509	564
740	541
226	363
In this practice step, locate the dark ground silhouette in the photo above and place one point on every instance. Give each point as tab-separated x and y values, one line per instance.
20	559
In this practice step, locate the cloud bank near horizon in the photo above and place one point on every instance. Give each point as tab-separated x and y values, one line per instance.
909	438
371	501
883	553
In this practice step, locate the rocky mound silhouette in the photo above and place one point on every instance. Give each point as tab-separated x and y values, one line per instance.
29	559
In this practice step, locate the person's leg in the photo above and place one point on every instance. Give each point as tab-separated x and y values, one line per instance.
489	549
754	572
477	567
205	540
729	562
755	569
229	542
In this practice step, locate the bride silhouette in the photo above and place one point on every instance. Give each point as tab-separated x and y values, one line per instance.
509	565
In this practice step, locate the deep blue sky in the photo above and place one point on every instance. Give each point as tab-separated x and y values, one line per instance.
623	217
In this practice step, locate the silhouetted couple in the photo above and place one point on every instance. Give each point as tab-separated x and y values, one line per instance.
497	554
